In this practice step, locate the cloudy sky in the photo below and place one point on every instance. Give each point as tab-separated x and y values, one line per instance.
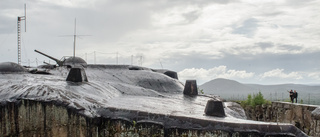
264	42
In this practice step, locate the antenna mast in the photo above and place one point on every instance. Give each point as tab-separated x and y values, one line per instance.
74	38
20	18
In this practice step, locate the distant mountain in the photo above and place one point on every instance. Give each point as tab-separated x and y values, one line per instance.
232	89
225	87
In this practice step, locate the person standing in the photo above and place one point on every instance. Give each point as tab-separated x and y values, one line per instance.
291	95
295	95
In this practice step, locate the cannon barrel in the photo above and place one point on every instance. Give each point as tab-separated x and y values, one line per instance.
59	62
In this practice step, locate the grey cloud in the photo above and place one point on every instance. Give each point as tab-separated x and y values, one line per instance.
254	63
291	47
299	3
265	45
192	16
199	2
11	4
113	18
289	62
248	27
10	7
272	13
109	21
6	25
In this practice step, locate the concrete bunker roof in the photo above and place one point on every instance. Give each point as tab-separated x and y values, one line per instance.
10	67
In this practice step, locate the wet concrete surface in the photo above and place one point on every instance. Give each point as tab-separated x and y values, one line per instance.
131	93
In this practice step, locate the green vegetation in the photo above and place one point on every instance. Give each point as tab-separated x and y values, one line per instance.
134	123
200	90
254	100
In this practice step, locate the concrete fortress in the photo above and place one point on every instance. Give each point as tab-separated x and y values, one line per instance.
117	100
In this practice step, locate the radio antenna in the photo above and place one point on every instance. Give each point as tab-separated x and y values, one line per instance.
75	37
25	17
21	18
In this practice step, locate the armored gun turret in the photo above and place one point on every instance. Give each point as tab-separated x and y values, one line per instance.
59	62
66	61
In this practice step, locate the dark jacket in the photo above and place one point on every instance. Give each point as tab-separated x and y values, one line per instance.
295	94
291	93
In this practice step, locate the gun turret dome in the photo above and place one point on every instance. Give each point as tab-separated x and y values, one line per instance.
10	67
71	61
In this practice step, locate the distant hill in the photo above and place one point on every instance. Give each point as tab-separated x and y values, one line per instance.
232	89
225	87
